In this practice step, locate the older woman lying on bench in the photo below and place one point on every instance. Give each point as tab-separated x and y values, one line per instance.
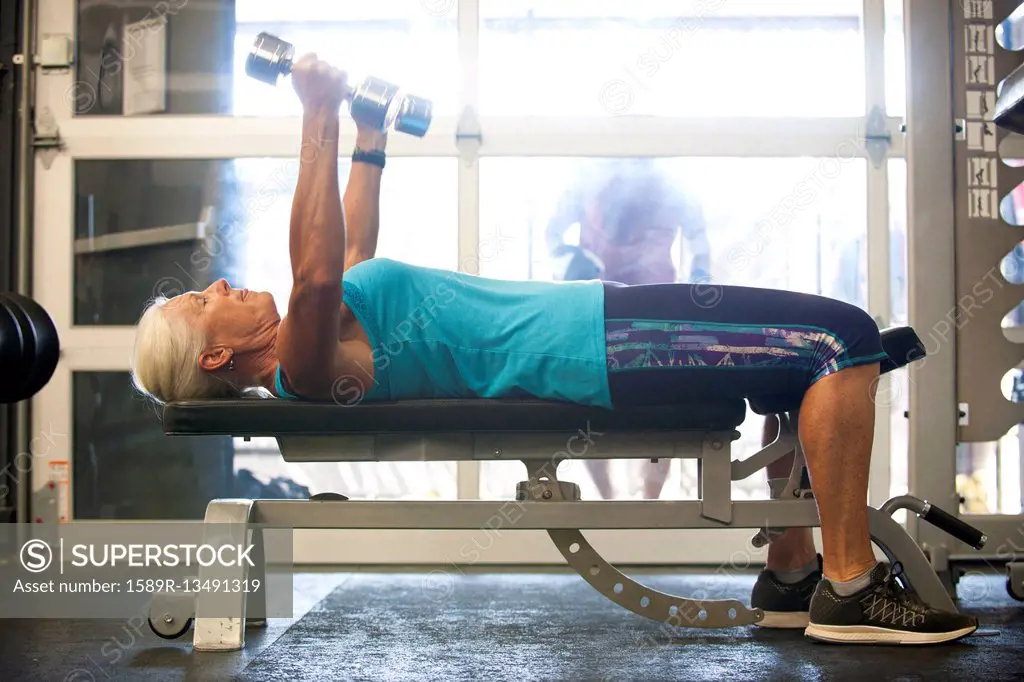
364	328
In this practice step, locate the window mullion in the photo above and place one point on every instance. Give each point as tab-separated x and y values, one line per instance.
878	241
878	257
468	473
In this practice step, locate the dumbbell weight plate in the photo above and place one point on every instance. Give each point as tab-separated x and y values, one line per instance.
371	102
269	59
415	115
40	349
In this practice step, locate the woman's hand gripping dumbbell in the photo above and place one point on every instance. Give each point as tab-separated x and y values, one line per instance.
321	89
374	103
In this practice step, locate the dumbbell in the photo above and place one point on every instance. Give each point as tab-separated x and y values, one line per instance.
29	348
375	102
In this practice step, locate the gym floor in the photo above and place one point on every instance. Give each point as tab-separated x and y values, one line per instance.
518	625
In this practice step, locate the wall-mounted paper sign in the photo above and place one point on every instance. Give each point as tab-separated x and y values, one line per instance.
145	66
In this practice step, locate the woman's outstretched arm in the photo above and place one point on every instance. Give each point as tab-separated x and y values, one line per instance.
307	344
362	200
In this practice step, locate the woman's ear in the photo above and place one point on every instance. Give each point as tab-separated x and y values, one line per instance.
212	359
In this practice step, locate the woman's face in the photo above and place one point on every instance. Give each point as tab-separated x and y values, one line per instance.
235	320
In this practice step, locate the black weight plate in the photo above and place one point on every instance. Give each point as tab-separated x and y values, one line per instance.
47	347
13	367
41	344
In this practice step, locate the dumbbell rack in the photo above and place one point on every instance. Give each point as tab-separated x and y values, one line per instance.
987	109
1009	117
985	118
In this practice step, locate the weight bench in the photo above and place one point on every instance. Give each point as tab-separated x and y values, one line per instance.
541	434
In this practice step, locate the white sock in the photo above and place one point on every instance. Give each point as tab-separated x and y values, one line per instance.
848	587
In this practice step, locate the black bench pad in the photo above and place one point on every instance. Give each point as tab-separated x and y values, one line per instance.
284	417
903	346
258	418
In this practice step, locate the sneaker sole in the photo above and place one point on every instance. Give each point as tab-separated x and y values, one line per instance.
785	620
866	634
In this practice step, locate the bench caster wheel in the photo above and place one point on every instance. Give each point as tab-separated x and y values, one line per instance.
1015	580
170	614
168	627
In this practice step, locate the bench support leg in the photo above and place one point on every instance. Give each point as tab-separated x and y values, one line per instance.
714	472
710	613
645	601
543	485
218	631
256	600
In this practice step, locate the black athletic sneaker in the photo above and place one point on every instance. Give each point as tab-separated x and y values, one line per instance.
882	613
784	606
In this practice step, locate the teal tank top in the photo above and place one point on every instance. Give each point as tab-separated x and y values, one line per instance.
441	334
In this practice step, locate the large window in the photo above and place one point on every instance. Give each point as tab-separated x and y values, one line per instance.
658	58
178	169
552	58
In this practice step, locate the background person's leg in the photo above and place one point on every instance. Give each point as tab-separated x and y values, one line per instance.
783	590
793	550
655	474
598	469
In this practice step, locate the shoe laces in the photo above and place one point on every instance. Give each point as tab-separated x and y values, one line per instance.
897	592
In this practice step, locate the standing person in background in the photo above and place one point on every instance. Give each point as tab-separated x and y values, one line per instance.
630	214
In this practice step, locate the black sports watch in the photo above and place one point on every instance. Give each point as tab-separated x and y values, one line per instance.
374	156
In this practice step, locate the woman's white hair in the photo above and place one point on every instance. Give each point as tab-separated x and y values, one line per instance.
165	363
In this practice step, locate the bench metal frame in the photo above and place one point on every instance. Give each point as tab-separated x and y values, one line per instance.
546	503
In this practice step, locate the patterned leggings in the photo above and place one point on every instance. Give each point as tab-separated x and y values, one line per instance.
673	342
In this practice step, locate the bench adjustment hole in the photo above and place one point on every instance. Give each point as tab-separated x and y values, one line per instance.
574	547
732	614
702	615
673	610
618	588
594	570
645	602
